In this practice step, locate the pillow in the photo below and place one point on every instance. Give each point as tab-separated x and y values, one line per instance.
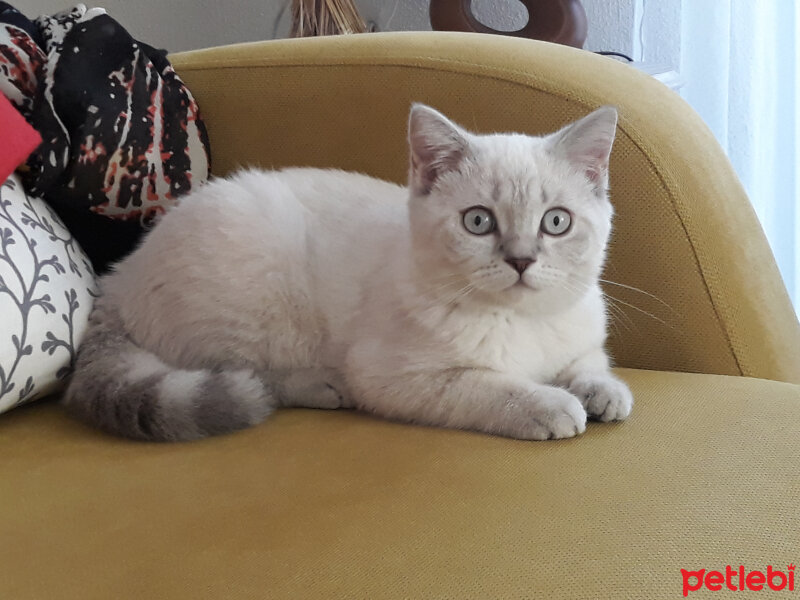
122	137
47	288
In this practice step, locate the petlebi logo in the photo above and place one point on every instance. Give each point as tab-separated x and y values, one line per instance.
738	579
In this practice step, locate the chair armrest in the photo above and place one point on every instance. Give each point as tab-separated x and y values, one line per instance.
711	299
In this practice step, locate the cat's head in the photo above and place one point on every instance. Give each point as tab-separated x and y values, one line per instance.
510	218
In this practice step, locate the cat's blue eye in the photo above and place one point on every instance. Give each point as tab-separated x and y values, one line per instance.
479	220
556	221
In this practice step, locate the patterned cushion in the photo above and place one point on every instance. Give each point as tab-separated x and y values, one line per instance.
46	291
122	137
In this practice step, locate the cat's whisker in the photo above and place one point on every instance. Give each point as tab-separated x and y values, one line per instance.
578	287
462	293
438	287
641	310
442	288
641	291
616	329
618	315
432	284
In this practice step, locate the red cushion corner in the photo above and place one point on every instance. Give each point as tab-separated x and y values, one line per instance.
17	138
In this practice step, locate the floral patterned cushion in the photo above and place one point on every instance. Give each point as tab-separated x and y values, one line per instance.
47	288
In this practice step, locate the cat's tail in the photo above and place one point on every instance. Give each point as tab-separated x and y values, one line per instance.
126	390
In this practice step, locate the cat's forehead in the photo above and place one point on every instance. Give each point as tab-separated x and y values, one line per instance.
518	170
512	148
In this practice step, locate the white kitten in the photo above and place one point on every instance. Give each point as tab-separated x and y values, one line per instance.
469	299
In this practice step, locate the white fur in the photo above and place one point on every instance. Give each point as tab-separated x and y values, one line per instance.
306	268
178	390
143	364
244	384
178	386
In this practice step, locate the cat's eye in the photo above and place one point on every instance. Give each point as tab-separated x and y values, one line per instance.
556	221
479	220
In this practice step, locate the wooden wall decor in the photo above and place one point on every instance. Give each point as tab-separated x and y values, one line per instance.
559	21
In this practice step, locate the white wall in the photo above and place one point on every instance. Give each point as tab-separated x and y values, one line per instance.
620	25
179	24
185	24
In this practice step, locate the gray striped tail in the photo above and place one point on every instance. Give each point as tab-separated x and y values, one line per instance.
128	391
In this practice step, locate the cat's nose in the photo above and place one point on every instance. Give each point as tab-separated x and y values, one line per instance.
520	264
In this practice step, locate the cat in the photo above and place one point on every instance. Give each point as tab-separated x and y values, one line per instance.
468	299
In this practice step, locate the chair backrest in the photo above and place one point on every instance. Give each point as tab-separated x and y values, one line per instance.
698	289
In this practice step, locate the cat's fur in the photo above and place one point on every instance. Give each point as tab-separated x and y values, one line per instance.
330	289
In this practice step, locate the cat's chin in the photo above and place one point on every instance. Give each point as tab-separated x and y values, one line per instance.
537	297
522	286
520	291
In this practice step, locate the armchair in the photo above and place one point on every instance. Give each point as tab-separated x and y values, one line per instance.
318	504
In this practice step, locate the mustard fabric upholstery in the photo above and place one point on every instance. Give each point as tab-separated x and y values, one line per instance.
685	231
333	504
317	504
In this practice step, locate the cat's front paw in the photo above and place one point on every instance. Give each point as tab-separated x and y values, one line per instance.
553	414
604	397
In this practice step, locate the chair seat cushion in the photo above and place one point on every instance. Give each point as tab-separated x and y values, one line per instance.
335	504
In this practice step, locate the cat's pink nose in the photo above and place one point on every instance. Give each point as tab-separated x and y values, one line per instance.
520	264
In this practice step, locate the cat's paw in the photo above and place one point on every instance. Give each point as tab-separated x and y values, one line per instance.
604	397
315	387
553	413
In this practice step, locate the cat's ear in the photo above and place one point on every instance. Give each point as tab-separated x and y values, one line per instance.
587	144
436	146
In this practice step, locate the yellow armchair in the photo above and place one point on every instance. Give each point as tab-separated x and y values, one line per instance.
317	504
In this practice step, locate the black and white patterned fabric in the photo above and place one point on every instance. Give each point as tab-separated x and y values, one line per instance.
122	136
47	288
